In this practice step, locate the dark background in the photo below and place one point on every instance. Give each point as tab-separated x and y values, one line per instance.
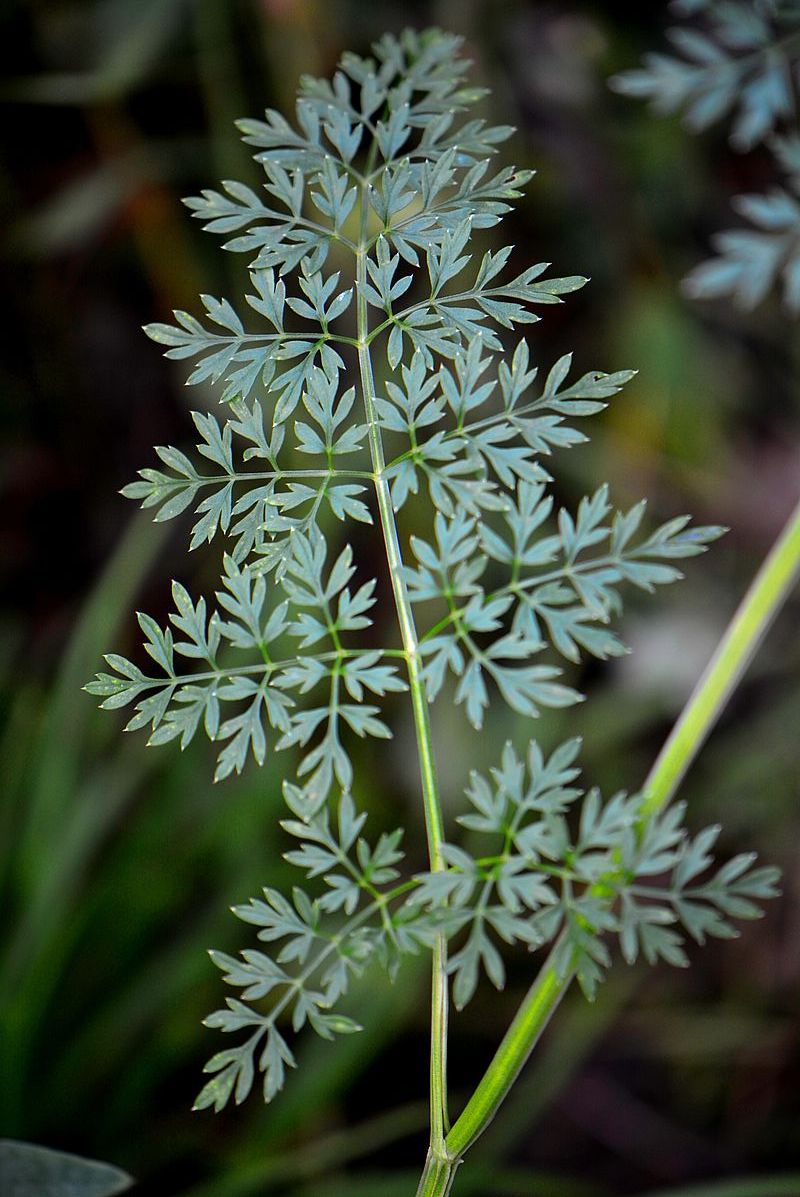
118	865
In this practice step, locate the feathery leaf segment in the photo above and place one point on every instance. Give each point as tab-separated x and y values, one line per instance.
379	377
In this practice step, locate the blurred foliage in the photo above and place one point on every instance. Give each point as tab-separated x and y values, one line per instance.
30	1171
113	109
743	64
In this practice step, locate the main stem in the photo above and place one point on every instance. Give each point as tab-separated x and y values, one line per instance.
438	1176
763	600
430	794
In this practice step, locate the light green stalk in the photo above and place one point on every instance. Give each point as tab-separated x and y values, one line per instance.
767	593
758	608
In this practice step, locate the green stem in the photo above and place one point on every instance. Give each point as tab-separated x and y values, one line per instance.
518	1042
758	608
438	1176
766	595
430	793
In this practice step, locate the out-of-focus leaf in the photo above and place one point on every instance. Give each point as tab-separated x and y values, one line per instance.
27	1170
138	35
785	1185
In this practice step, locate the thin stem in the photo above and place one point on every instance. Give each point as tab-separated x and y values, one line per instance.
178	679
470	427
286	222
430	793
434	300
758	608
530	583
301	335
268	476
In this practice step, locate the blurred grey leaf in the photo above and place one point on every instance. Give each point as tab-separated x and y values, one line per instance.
136	36
80	212
30	1171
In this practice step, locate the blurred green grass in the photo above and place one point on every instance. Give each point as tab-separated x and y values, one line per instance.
118	864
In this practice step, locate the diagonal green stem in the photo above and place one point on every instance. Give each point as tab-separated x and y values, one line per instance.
766	595
430	792
763	600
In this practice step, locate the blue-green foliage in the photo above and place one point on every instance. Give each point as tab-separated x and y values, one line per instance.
542	874
539	878
383	169
742	62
